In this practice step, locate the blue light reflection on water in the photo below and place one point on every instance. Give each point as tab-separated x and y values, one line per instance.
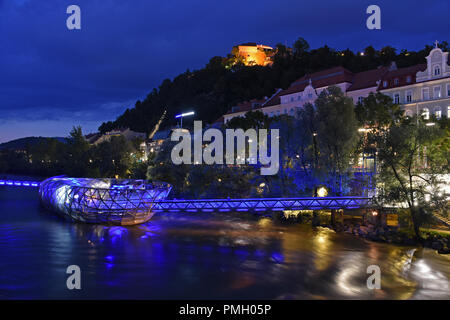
196	256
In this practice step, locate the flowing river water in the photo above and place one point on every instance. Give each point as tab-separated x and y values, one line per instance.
202	256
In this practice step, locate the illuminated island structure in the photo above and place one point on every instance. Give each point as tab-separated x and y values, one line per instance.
105	201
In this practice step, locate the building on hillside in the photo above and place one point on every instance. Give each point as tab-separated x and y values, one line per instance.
154	145
129	135
254	54
308	88
423	89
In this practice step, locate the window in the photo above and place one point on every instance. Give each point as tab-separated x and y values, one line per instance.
285	111
292	111
278	112
448	90
408	97
385	83
437	92
437	70
408	79
426	113
309	95
299	97
425	94
360	99
396	81
397	98
271	114
438	112
292	99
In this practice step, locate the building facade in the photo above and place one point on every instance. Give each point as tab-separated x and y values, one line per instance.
254	54
307	88
422	89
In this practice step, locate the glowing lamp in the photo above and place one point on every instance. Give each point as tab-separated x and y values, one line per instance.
322	192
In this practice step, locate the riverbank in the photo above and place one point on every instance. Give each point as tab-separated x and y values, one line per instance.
439	241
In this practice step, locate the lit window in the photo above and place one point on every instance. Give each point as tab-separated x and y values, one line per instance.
426	113
408	96
437	92
437	70
425	94
396	81
408	79
385	84
397	98
438	112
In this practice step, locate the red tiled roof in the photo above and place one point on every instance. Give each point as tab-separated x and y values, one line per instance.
324	78
367	79
401	74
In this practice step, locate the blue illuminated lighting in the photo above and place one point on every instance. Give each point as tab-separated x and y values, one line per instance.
110	201
19	183
278	257
110	196
184	114
263	204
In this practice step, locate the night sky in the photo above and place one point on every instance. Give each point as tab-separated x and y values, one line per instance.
52	78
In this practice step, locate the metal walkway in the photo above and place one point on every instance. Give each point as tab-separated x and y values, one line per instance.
262	204
256	204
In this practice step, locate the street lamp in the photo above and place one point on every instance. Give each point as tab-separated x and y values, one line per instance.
182	115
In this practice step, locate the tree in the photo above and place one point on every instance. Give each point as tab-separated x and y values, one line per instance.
337	134
301	47
113	158
377	111
412	158
77	160
252	119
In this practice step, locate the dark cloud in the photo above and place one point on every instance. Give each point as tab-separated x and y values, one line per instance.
126	48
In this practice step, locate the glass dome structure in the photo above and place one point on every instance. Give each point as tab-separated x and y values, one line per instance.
106	201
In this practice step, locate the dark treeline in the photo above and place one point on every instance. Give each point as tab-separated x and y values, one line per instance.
75	158
212	90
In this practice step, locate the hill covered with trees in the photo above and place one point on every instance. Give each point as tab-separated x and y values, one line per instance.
224	82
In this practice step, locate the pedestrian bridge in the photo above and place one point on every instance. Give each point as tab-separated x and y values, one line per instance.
253	205
262	204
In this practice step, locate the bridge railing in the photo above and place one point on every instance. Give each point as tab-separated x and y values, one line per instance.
263	204
255	204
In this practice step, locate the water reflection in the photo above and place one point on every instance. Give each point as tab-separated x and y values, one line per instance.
220	255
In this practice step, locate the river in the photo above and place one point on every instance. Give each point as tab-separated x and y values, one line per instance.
201	256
